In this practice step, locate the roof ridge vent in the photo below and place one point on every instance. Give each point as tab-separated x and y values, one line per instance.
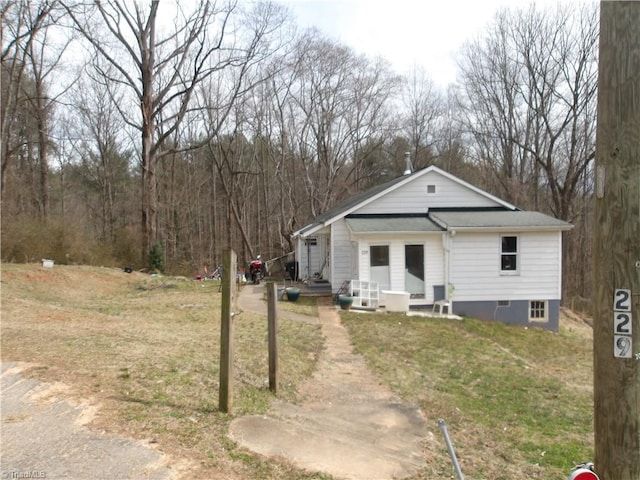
407	162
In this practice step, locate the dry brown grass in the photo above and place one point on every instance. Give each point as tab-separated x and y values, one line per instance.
145	351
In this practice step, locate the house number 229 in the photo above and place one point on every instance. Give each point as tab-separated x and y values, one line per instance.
622	322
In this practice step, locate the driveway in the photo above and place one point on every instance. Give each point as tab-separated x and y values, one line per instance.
44	437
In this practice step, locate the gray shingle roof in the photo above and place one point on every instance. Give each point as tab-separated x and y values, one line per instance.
517	219
509	218
410	224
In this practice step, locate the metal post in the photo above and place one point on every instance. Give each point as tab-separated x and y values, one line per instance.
452	454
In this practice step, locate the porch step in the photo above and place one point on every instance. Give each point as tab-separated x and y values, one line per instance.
318	286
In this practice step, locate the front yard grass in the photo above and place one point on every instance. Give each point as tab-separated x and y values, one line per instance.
515	400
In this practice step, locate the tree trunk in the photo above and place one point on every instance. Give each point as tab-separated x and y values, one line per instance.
149	158
43	160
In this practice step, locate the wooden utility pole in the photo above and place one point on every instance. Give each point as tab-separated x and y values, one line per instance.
229	267
272	321
616	327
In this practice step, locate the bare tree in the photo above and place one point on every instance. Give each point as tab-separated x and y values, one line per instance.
162	68
44	55
450	144
339	102
282	178
227	128
494	112
103	157
371	116
528	91
321	69
559	54
423	107
528	97
23	23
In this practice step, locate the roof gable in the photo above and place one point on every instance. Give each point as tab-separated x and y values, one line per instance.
408	194
434	189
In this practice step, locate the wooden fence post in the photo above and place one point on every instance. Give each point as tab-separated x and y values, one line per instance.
229	267
272	320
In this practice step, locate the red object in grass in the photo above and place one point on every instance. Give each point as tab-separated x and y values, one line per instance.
583	474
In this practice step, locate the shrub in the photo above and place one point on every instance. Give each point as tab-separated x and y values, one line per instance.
28	240
24	240
156	258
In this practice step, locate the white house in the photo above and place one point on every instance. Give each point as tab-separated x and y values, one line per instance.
437	237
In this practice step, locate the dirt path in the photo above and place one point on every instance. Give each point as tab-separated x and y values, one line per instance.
349	425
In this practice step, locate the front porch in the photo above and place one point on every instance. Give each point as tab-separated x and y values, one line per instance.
322	288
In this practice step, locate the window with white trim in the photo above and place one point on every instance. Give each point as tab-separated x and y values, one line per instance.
508	254
538	311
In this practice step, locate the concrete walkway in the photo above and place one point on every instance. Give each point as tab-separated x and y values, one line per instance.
43	437
348	425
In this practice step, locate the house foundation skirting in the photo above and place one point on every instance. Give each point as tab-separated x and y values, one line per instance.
513	312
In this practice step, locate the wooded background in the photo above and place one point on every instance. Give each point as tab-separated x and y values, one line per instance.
129	127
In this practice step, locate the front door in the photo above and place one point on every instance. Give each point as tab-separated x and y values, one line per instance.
414	270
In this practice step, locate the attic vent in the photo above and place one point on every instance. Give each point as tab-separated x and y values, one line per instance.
431	189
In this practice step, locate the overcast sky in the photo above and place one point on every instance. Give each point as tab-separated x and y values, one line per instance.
406	32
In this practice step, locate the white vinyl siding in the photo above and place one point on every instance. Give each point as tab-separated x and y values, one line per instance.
476	274
312	254
434	260
433	254
342	250
414	197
